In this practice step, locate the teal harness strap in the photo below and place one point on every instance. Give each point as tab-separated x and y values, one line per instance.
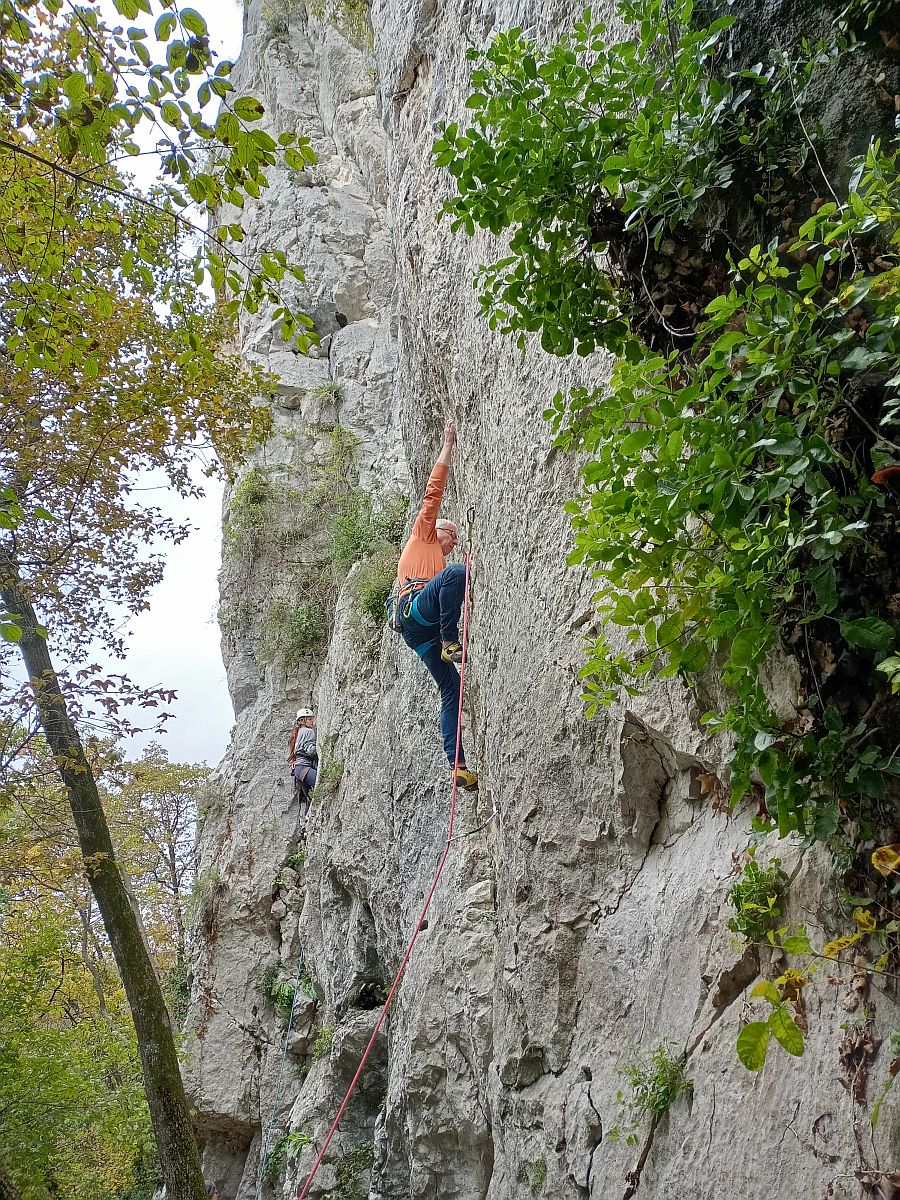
413	611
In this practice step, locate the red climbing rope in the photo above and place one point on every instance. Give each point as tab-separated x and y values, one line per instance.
409	949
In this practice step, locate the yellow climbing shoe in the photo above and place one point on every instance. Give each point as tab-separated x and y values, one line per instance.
451	652
467	780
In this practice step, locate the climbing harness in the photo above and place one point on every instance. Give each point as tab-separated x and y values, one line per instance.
264	1156
400	602
301	1195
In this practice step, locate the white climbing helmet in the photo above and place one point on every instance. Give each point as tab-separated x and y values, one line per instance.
304	712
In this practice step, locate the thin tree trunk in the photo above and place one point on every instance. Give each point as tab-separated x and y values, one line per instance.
178	1156
89	963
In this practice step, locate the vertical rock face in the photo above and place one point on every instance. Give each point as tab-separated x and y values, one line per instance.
580	922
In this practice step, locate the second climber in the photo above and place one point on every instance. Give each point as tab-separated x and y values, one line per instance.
430	599
304	758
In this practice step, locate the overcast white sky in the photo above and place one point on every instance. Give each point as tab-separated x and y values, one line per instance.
176	643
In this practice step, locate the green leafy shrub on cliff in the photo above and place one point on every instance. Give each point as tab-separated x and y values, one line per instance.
293	629
286	1148
250	512
727	510
350	1166
373	581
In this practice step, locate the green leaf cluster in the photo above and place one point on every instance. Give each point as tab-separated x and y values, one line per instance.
72	1112
350	1166
285	1149
718	510
757	898
753	1039
76	89
592	141
280	990
292	630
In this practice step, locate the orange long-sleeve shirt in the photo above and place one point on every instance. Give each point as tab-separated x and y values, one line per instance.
422	556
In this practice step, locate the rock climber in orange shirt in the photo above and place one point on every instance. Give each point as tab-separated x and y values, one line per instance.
430	598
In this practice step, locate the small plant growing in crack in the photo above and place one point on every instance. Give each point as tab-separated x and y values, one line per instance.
655	1084
286	1149
322	1044
538	1173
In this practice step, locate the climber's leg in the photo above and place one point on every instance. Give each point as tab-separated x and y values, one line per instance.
304	782
446	677
419	630
440	603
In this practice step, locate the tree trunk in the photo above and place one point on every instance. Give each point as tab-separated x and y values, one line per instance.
178	1156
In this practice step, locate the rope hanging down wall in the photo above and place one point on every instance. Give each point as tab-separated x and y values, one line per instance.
301	1195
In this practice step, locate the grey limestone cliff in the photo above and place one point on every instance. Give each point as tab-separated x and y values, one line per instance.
584	922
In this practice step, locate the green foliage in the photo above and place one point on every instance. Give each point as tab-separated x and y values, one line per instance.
178	993
368	522
279	989
340	459
350	1166
351	17
538	1174
373	581
655	1083
321	1047
369	531
727	511
757	898
77	90
200	910
333	389
591	137
276	15
861	15
351	530
285	1149
295	861
328	779
249	521
721	516
73	1119
753	1039
293	632
389	517
236	619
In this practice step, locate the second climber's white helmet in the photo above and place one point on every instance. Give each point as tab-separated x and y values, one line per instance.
304	712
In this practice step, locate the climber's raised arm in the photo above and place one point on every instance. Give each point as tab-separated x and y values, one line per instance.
424	527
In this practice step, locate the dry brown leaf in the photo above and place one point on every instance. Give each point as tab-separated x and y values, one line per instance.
857	1050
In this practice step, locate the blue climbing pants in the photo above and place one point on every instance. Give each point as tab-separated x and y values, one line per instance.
433	618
